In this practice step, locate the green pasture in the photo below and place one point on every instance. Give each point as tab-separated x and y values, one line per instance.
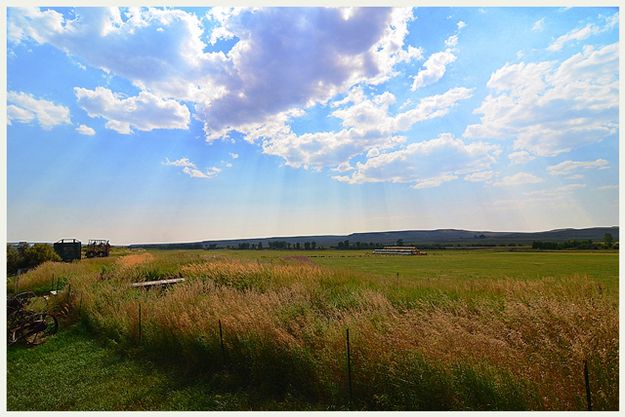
453	264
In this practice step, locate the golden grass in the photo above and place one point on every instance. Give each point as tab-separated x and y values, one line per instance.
480	344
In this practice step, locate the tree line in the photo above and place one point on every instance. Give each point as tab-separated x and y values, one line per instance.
25	256
608	243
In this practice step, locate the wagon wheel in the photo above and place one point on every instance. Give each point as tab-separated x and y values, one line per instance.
45	326
12	336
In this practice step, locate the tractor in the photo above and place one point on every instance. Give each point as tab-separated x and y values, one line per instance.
97	247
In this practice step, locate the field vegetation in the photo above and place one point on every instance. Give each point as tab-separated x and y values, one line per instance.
472	330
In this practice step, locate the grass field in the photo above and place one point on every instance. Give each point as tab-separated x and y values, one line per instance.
455	330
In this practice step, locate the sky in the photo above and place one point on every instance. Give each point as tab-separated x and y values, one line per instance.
188	124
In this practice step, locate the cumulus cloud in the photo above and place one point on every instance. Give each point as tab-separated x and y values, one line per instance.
279	66
426	164
481	176
569	167
583	33
143	112
157	49
520	157
520	178
367	125
283	59
550	109
436	65
234	155
25	108
190	169
85	130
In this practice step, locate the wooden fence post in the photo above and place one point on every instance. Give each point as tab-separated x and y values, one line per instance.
587	381
221	343
349	367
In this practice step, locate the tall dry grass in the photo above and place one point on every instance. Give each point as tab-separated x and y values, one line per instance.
425	344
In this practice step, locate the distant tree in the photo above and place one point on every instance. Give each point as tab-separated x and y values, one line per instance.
297	246
400	242
608	240
346	244
38	254
307	245
13	259
313	245
341	245
260	245
27	256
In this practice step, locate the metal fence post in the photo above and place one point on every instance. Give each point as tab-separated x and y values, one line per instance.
349	367
587	381
139	322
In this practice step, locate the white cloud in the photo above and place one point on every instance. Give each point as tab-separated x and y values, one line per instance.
434	68
520	157
549	109
451	41
481	176
608	187
583	33
568	167
426	164
520	178
574	35
144	112
461	24
283	59
555	192
85	130
190	169
182	162
278	66
539	25
366	123
343	167
24	108
433	182
234	155
170	62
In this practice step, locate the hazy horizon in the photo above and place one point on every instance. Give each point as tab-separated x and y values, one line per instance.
142	125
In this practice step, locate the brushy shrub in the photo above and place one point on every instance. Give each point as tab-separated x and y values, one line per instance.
26	256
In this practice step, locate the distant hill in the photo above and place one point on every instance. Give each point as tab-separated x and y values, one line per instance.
418	237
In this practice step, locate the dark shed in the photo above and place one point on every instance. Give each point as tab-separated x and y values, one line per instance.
68	249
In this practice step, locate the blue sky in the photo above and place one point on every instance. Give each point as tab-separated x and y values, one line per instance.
154	125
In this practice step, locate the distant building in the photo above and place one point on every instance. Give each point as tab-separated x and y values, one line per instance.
398	250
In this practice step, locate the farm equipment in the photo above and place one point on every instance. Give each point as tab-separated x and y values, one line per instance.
68	249
97	247
33	327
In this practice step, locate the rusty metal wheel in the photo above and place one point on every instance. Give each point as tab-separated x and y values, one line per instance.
44	326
